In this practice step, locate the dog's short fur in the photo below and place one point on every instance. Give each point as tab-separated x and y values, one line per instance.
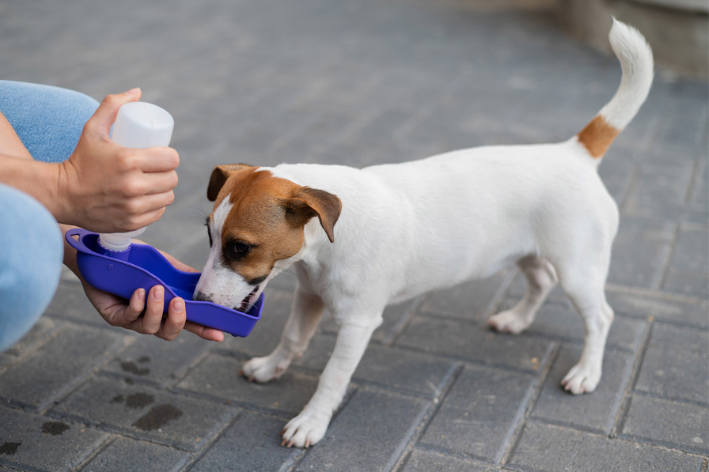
362	239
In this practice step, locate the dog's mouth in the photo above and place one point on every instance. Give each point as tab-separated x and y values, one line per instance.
249	300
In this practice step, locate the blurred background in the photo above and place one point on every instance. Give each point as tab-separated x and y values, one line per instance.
361	82
356	82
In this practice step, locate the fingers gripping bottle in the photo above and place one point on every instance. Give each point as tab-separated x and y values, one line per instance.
138	125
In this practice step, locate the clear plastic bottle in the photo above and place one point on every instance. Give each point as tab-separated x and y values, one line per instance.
138	125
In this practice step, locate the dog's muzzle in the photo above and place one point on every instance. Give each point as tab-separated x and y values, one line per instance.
245	303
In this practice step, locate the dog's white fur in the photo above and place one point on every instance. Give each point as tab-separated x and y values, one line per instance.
410	228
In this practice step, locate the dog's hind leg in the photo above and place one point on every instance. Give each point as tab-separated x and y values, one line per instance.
585	288
306	311
541	279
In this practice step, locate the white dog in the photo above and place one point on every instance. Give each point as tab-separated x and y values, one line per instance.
388	233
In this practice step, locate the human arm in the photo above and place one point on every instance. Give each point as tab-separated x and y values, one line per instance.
105	188
102	187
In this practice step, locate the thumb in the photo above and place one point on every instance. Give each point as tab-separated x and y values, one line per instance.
105	115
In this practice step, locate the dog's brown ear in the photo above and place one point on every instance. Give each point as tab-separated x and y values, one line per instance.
308	203
220	174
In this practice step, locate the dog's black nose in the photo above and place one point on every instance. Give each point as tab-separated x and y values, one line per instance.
200	297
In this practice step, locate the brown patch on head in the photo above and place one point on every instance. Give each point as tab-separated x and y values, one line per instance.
597	136
219	176
268	215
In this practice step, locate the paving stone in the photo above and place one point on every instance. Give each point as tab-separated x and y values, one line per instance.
639	251
561	321
218	376
699	196
691	252
194	254
675	364
679	425
146	413
696	285
464	340
369	433
659	191
40	443
615	175
267	333
6	359
44	328
662	307
70	303
156	360
404	371
553	448
186	214
253	442
483	403
65	361
129	454
594	411
472	300
393	317
421	460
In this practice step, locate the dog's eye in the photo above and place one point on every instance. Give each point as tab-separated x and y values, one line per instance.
240	249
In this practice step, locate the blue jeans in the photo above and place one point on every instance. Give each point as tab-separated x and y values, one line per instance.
49	121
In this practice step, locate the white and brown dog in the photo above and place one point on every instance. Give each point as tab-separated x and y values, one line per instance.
360	239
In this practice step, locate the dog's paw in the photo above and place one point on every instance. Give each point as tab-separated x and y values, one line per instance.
581	379
305	430
264	369
508	322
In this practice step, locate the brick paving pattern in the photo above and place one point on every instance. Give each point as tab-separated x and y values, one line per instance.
360	82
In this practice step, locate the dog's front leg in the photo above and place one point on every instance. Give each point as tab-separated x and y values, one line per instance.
310	425
306	311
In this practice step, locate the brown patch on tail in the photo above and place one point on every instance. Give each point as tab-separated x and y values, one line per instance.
597	136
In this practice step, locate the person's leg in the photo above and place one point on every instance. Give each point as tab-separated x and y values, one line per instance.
30	263
48	120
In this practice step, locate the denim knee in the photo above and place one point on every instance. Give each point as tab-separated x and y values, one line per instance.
30	262
48	120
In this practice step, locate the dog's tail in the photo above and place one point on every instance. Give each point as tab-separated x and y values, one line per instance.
635	58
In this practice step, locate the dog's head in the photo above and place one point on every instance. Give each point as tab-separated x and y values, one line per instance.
257	221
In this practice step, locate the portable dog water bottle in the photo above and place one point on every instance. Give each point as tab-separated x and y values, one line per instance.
145	268
110	263
138	125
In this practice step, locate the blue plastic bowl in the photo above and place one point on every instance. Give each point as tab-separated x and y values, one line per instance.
145	268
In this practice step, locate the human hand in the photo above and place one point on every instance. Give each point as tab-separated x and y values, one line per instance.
107	188
117	312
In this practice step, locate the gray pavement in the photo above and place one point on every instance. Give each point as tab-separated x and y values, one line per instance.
359	82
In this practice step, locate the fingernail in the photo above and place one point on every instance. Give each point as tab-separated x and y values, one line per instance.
141	294
158	293
132	91
179	305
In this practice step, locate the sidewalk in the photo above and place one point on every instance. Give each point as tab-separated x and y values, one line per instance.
359	82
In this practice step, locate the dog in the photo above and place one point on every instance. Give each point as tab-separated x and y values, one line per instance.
361	239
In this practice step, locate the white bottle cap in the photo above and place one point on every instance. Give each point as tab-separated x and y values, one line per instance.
142	125
138	125
118	242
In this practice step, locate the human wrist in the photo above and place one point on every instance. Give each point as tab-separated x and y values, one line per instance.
59	177
36	179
